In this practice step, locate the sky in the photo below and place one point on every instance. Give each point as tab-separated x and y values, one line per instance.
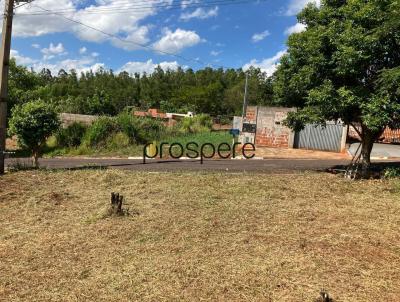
138	35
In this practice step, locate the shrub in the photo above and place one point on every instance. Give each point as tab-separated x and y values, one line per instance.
197	124
32	123
118	140
148	130
391	172
71	136
99	131
127	124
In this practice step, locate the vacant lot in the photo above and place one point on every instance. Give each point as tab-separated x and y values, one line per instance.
193	236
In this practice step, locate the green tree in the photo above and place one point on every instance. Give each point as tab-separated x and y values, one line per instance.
32	123
345	65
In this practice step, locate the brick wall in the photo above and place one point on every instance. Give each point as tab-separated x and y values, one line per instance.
270	130
389	136
69	118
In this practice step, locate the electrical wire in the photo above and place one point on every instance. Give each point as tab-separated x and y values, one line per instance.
129	9
147	4
27	2
128	41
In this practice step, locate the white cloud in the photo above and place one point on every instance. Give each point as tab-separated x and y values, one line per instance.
200	13
94	54
257	37
82	50
186	3
20	59
297	28
268	65
215	53
174	42
137	36
54	49
295	6
126	26
83	64
147	67
35	45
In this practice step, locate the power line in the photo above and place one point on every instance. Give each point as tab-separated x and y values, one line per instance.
128	41
25	3
146	4
136	8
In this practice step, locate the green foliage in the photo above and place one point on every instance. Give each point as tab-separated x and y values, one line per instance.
139	130
97	134
345	66
71	136
32	123
128	124
148	129
198	124
391	172
118	140
211	91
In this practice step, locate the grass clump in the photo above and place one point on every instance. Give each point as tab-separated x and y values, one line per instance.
391	172
71	136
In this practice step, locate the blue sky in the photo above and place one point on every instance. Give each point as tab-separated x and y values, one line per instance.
200	33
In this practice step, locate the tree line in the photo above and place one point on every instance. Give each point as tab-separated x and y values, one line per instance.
344	66
216	92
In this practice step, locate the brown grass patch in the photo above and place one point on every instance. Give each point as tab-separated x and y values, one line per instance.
195	236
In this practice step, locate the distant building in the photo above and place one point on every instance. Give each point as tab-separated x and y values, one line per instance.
170	118
263	126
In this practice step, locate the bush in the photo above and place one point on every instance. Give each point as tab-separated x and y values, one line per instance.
391	172
32	123
127	124
148	130
71	136
118	140
140	129
99	131
198	124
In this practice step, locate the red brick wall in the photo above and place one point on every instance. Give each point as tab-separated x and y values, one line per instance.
270	130
388	136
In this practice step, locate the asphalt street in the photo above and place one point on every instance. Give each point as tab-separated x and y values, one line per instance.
263	166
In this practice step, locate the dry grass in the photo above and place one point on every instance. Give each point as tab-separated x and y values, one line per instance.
216	237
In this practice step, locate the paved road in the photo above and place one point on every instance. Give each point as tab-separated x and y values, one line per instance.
379	150
263	166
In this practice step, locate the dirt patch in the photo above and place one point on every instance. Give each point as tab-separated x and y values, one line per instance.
198	236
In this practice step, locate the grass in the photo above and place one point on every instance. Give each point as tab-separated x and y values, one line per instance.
215	138
198	236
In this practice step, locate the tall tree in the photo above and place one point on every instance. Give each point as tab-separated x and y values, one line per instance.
345	65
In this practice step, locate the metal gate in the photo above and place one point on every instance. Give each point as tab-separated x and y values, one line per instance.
316	137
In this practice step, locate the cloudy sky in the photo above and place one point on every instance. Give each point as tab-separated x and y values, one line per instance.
136	35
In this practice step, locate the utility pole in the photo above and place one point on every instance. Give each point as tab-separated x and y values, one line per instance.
4	69
245	98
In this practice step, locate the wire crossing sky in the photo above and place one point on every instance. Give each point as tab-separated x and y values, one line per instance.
136	36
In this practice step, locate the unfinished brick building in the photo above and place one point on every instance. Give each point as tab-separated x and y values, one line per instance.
263	126
269	130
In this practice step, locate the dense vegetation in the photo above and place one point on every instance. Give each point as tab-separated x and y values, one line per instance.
216	92
345	66
126	134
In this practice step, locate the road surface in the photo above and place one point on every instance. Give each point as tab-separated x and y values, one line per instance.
264	166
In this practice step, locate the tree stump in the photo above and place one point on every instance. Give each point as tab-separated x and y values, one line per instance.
116	204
